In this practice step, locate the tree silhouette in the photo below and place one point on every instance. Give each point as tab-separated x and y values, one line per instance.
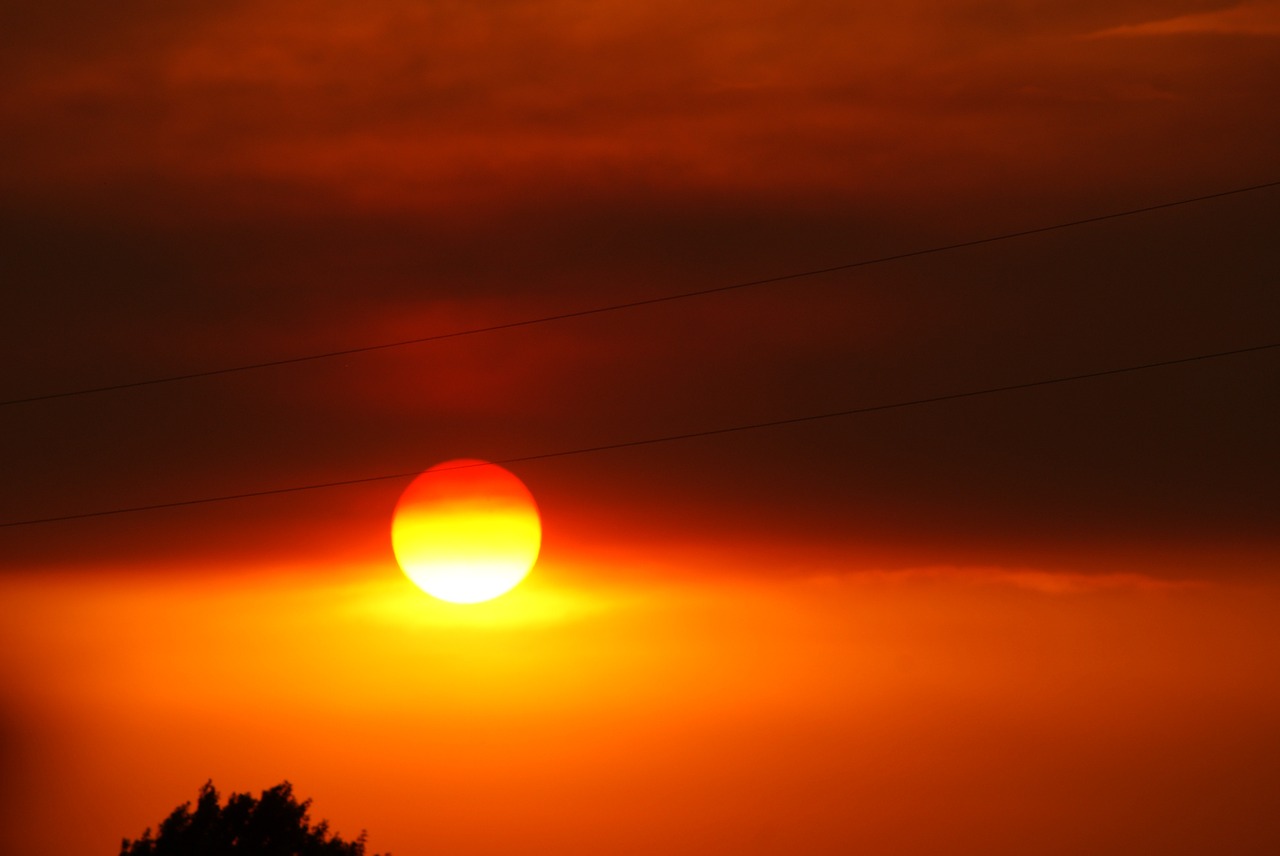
274	825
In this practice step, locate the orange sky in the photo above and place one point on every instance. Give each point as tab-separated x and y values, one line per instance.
974	711
1035	622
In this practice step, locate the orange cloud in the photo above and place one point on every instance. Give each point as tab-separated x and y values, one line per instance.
1025	579
1260	18
402	107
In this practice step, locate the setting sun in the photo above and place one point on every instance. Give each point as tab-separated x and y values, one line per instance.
466	531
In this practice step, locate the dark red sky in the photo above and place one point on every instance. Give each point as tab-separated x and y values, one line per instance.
1040	622
190	188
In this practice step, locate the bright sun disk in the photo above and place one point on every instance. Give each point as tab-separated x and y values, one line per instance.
466	531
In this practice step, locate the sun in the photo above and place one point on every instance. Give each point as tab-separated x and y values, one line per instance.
466	531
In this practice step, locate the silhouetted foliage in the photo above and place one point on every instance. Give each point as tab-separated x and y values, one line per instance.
274	825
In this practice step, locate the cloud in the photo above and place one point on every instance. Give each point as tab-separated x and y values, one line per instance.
1058	583
1247	19
412	107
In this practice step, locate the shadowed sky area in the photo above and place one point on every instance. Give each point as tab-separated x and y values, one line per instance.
187	187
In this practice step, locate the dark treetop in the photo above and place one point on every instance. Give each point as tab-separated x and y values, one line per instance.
274	825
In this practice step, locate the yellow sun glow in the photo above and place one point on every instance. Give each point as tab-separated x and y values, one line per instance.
466	531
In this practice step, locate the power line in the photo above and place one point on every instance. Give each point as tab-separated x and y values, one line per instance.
668	438
635	304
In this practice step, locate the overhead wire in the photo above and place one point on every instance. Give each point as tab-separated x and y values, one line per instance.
635	304
667	438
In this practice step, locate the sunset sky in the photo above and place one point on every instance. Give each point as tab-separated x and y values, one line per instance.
1042	621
